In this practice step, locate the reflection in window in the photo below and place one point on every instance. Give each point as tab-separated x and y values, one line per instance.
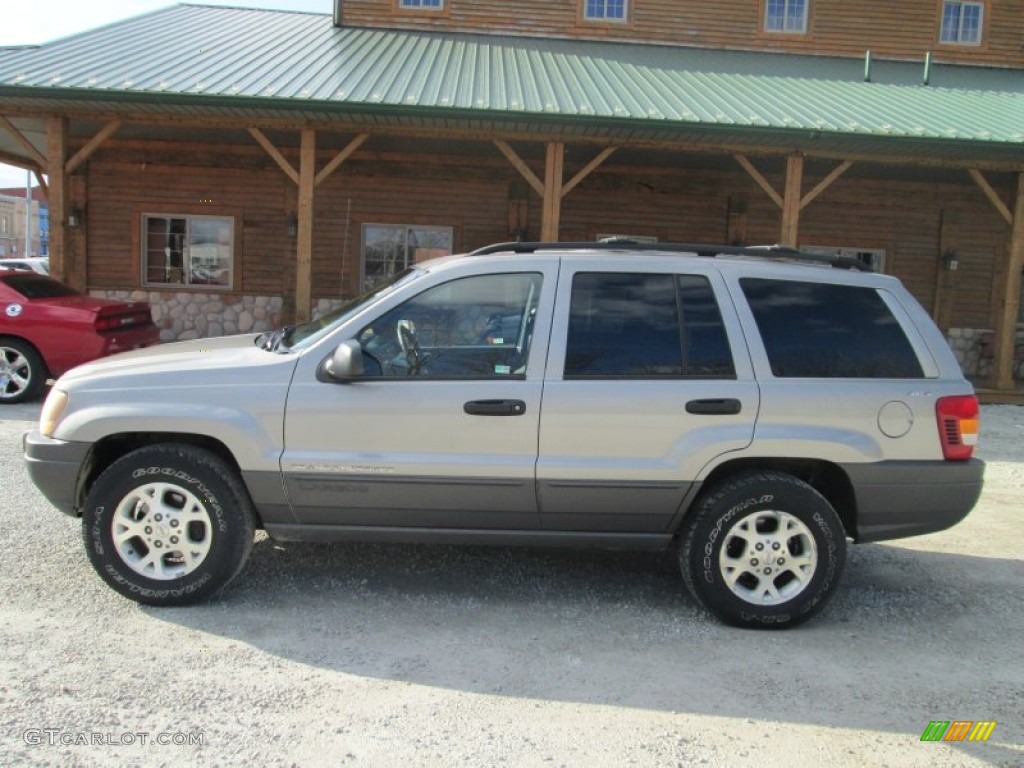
786	16
961	22
475	327
606	10
629	325
390	248
187	250
819	330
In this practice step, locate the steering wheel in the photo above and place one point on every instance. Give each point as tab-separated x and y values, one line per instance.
406	330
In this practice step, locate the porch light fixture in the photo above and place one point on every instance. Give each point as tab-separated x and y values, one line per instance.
75	218
293	226
950	261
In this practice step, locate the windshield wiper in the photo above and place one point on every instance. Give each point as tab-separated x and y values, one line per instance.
272	340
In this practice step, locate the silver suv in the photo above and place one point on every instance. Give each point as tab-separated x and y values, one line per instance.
754	408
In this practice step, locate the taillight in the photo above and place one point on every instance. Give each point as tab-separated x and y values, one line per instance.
958	426
113	322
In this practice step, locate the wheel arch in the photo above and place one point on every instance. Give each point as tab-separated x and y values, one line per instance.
109	449
827	478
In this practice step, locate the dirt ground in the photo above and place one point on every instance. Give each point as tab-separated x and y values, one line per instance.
437	656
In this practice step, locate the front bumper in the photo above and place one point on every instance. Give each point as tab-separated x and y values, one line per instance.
896	499
55	466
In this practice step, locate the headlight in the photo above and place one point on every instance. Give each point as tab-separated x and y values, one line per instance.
53	409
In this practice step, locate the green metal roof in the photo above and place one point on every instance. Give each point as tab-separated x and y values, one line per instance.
204	60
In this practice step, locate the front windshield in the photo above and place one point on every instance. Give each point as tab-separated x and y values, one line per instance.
308	333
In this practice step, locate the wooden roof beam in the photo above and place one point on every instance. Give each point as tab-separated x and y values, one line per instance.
521	166
33	153
761	181
341	157
587	170
93	144
15	160
275	155
42	182
825	183
992	195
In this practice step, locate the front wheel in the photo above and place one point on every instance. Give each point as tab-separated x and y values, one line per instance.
168	525
763	550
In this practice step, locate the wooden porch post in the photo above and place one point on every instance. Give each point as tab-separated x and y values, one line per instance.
1006	320
56	150
552	192
791	201
304	240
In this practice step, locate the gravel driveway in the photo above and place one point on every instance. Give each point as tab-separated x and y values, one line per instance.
423	656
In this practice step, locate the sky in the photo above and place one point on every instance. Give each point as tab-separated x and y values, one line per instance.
30	22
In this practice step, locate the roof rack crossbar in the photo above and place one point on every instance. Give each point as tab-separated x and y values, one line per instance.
701	249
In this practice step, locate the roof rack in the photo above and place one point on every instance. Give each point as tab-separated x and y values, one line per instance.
779	252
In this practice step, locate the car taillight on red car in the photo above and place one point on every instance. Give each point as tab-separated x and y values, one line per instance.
114	322
957	418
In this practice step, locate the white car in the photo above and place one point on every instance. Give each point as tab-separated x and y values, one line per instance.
40	264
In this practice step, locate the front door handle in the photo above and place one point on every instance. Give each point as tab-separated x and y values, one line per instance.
495	407
726	406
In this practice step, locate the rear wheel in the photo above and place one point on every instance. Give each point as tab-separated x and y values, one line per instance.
168	525
763	550
22	372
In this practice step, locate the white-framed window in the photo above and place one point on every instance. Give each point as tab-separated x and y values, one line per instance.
390	248
872	257
182	250
434	5
786	16
961	22
605	10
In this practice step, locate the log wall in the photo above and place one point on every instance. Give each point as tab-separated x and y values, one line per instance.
914	220
902	30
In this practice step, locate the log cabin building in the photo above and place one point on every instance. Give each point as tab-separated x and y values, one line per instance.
239	168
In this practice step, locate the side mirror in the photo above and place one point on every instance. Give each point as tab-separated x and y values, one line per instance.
345	364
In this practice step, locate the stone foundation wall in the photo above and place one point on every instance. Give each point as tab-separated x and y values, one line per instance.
966	344
322	306
182	316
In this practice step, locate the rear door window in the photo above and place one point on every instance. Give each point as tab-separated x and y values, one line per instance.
822	330
645	325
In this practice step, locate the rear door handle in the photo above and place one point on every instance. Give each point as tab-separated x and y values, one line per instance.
495	407
727	406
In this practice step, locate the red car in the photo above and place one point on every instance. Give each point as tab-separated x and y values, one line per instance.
47	328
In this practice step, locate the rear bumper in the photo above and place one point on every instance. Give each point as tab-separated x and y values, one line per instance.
127	339
896	499
54	467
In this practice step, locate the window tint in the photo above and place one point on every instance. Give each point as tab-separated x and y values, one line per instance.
706	348
33	286
817	330
475	327
629	325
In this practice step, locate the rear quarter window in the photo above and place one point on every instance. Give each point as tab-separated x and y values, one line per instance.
822	330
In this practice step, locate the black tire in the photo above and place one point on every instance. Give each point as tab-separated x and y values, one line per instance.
22	371
185	525
763	550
